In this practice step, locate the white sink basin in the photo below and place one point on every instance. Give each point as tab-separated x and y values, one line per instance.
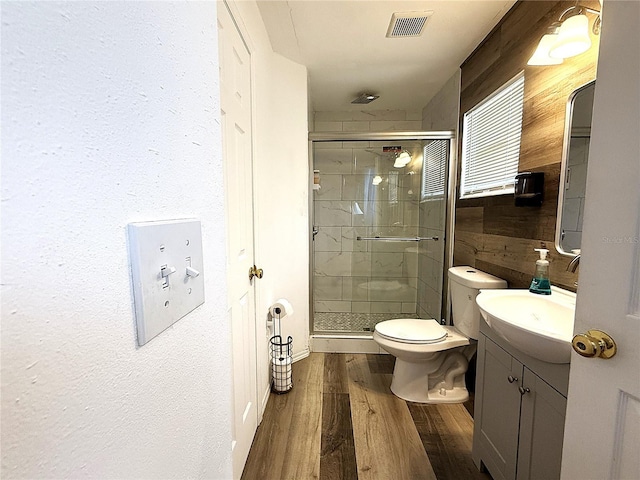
539	325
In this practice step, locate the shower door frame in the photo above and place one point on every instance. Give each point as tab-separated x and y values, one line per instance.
452	175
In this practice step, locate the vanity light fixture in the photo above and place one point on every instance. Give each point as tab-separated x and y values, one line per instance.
567	37
541	55
402	160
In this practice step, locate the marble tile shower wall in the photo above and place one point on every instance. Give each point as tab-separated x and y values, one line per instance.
441	113
573	209
431	259
364	276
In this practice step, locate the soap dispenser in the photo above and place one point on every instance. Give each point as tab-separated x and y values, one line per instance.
540	283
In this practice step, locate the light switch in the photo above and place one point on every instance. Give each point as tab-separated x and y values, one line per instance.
167	270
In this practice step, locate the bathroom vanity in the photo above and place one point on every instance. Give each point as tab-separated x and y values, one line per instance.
519	415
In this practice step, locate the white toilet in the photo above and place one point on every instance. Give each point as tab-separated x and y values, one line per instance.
432	359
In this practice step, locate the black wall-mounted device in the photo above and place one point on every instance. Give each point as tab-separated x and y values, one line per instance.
529	189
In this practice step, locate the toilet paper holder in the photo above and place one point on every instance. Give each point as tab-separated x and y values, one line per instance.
281	364
281	308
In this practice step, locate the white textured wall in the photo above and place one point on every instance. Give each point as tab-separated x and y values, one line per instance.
367	120
110	114
283	199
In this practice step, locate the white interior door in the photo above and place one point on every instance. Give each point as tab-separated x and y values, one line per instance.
236	105
602	430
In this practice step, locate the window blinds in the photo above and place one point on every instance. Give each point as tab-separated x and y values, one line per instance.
491	142
433	169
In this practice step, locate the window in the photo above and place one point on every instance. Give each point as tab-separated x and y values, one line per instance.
491	142
434	162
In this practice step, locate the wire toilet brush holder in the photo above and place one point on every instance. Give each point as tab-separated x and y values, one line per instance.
281	361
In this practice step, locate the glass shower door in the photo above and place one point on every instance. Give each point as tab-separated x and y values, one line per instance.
370	190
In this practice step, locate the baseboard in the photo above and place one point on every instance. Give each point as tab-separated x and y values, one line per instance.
300	355
263	403
344	344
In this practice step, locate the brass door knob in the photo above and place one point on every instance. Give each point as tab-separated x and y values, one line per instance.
255	272
594	343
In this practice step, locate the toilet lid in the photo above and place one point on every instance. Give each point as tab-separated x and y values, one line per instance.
411	330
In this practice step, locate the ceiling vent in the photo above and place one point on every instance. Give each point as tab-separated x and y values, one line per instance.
407	24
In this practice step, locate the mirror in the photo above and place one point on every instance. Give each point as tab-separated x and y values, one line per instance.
573	171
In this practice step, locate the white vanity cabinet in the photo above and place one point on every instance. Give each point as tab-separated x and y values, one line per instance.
519	412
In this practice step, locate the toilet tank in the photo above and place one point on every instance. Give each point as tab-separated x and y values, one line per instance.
464	285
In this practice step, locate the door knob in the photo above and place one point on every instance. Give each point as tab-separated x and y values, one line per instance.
255	272
594	343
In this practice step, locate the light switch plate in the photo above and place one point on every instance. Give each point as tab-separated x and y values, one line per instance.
167	270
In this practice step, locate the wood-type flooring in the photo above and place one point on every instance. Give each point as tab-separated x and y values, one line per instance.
341	421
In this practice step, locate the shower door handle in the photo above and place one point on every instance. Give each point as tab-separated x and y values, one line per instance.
398	239
314	231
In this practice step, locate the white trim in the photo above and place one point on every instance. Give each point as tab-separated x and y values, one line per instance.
490	193
358	136
301	355
344	344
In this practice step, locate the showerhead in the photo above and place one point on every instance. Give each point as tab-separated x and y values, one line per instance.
364	98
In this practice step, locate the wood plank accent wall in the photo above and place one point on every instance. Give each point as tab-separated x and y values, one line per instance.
492	234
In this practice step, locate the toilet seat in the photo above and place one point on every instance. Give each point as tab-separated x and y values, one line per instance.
412	331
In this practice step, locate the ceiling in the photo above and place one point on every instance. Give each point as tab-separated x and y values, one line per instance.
343	44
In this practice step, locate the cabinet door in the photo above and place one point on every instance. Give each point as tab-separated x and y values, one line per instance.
541	430
499	413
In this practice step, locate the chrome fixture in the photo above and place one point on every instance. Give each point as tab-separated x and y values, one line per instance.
364	98
567	37
573	265
398	239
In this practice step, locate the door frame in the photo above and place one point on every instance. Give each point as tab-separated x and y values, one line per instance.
261	346
258	294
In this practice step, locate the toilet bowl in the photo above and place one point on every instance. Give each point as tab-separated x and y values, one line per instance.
432	359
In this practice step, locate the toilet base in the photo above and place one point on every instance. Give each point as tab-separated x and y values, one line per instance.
455	395
412	381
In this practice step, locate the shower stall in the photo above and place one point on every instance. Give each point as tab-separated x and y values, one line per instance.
380	220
